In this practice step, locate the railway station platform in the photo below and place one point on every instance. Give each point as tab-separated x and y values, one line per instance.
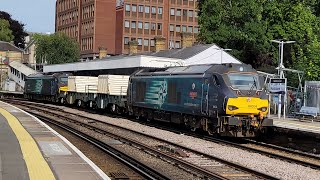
306	126
30	149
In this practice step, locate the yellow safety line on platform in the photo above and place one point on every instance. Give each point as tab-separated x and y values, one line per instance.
37	166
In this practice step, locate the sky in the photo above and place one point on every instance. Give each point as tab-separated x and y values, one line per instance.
37	15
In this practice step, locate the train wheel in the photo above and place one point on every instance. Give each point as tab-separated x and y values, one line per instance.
62	100
79	103
113	108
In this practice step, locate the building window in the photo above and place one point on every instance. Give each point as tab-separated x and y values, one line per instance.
195	14
133	24
159	26
184	28
126	40
146	42
140	8
147	9
178	12
139	41
134	8
185	12
172	11
126	24
190	13
146	25
160	10
178	28
128	7
177	44
153	10
190	29
153	26
140	25
152	42
196	30
171	27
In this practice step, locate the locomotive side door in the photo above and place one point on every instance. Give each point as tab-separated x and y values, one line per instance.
205	97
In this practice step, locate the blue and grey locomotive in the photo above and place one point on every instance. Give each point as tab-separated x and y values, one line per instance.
227	99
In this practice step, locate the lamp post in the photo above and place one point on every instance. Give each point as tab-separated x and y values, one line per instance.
281	75
221	49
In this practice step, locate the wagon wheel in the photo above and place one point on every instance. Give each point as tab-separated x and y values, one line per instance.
79	103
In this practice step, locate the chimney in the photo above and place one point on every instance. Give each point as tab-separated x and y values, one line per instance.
133	47
160	43
102	52
186	39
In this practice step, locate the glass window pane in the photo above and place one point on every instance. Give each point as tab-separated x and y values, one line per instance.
171	27
178	28
153	26
184	28
140	25
190	29
146	42
133	24
190	13
146	25
196	29
139	41
177	44
178	12
140	8
127	7
153	10
152	42
160	10
127	24
134	8
172	11
126	40
147	9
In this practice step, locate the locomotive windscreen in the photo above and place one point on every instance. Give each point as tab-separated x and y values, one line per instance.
244	81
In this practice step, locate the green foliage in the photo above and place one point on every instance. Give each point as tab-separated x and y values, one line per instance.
56	49
5	32
248	26
17	29
237	25
294	21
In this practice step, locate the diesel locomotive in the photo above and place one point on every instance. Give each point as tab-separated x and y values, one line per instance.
45	87
227	99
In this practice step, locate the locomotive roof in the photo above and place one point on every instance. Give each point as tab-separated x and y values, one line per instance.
197	69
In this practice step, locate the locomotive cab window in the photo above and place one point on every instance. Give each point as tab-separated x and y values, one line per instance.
215	81
244	81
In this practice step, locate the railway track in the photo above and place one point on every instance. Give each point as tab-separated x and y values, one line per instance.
206	165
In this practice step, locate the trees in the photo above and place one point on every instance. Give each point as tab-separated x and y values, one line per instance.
295	21
237	25
17	29
56	48
247	26
5	32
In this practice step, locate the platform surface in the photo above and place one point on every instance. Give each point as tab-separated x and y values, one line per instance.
29	149
296	124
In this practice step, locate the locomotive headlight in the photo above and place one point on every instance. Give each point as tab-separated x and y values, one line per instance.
263	109
231	108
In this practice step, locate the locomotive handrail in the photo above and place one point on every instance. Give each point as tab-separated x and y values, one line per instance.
224	102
